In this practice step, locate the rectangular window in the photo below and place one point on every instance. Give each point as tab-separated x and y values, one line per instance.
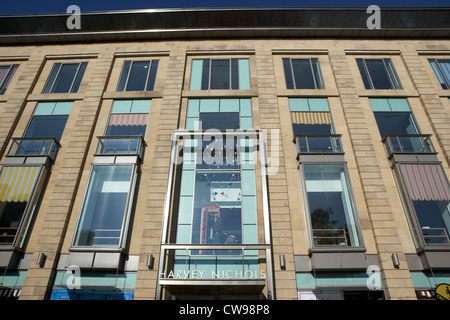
17	185
428	189
128	118
105	212
441	68
6	74
65	78
138	75
332	214
220	114
302	74
49	120
217	213
378	74
215	74
393	116
312	126
395	119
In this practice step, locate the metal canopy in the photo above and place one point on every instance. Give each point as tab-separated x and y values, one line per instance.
159	24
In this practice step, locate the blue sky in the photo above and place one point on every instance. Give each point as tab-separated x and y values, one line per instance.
60	6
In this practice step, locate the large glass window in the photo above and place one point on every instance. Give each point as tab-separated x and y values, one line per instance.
302	74
212	74
217	213
6	74
216	201
428	189
394	118
65	78
378	74
128	118
312	125
105	212
138	76
17	185
49	120
441	68
331	210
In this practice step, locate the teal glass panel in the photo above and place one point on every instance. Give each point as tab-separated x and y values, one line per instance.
380	104
44	108
246	107
193	108
399	105
209	105
63	108
140	106
121	106
229	105
244	74
196	75
298	104
318	104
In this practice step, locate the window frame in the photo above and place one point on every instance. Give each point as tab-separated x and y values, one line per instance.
56	76
210	71
127	213
47	115
410	211
441	73
306	208
32	206
151	62
8	77
386	70
314	78
112	112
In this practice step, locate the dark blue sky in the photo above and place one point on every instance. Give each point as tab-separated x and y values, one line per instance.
60	6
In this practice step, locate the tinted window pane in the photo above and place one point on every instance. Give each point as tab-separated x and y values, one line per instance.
378	74
317	74
6	74
10	216
104	207
442	70
124	76
332	216
395	123
138	76
312	128
234	74
364	75
46	126
392	74
303	74
205	74
288	73
434	219
51	78
220	74
152	75
217	215
80	74
126	130
219	120
65	78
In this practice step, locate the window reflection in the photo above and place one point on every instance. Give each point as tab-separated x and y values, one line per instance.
331	208
217	215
